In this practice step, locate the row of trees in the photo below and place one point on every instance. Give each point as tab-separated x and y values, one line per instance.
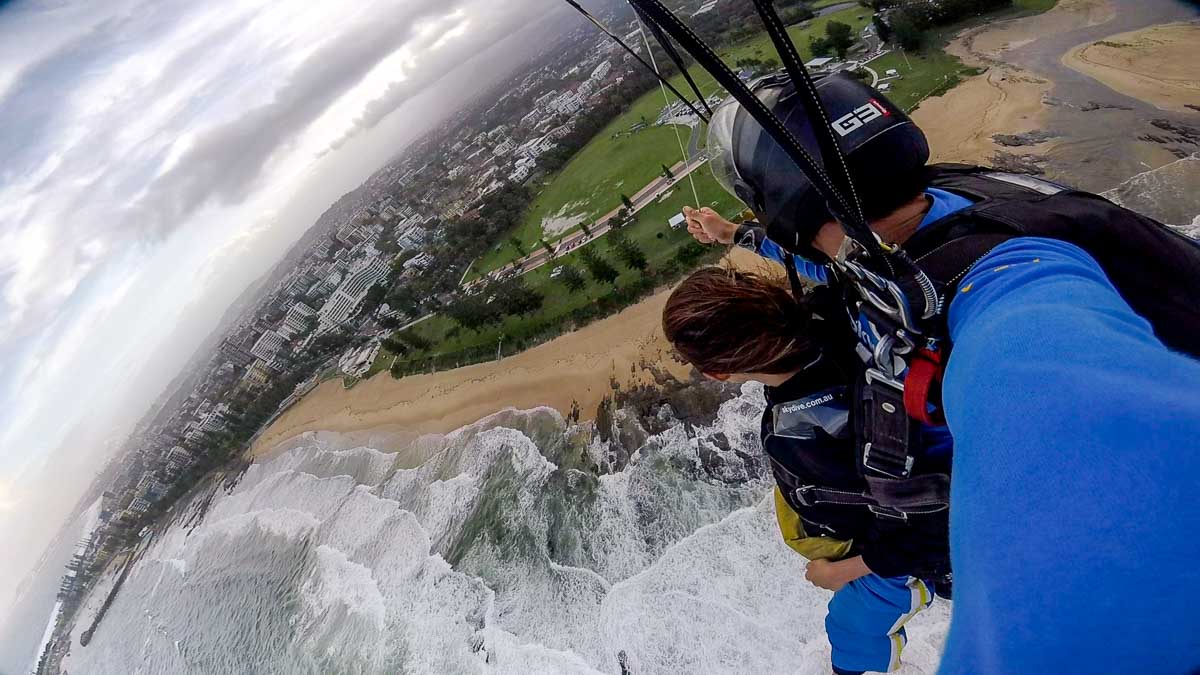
908	23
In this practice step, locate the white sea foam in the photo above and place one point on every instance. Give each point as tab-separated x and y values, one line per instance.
327	559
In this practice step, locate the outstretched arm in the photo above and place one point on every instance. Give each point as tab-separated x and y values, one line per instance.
707	226
1074	528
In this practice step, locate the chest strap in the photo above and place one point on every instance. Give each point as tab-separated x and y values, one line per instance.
886	497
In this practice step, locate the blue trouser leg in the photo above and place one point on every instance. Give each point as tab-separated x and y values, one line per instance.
866	621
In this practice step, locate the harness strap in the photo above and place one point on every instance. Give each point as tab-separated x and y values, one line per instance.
886	430
886	498
950	262
923	386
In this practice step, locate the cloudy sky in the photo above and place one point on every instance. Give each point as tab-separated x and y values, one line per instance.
156	156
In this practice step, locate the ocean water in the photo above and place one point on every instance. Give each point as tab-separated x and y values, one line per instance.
1167	193
506	550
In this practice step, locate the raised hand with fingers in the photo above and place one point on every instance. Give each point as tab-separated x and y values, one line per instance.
707	226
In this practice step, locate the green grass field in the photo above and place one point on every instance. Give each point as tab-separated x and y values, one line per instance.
617	161
923	73
650	231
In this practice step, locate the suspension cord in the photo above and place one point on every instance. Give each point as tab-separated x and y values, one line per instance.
853	220
632	52
839	203
673	54
674	127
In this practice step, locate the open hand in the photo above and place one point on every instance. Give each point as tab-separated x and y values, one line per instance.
825	574
707	226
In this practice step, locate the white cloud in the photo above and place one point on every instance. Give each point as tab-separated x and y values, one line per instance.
159	156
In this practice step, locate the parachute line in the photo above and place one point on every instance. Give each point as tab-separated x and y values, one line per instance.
674	127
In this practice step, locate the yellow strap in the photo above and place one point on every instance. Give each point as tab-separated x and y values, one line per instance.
792	529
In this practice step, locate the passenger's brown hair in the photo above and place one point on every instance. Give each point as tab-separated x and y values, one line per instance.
724	321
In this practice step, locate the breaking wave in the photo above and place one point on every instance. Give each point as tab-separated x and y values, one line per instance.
520	543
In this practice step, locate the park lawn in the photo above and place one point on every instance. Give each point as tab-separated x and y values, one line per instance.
650	231
761	47
615	161
924	73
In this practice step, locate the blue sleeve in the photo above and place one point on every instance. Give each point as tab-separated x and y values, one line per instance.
1075	530
807	269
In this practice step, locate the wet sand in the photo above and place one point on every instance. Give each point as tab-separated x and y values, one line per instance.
1006	98
1159	65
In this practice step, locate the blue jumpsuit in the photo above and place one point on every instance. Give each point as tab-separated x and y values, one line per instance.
1074	532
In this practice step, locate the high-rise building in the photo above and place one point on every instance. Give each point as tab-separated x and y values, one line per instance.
413	238
347	298
268	345
151	487
177	459
234	352
296	320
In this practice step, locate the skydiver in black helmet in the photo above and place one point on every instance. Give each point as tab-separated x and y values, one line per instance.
1065	372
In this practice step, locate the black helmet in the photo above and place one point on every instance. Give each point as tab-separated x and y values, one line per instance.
885	152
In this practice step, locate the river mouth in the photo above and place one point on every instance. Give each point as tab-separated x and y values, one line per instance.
1102	137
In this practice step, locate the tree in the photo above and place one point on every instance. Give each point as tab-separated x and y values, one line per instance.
373	299
586	230
598	267
572	279
413	340
517	244
394	346
627	251
906	32
840	37
667	173
621	217
514	297
389	322
625	200
819	46
883	30
546	245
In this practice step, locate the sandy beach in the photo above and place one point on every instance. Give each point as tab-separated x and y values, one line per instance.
579	369
1159	65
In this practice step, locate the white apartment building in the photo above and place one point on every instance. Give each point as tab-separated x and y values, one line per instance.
601	71
150	485
178	459
419	261
347	298
296	320
568	103
520	173
413	238
506	146
268	345
535	148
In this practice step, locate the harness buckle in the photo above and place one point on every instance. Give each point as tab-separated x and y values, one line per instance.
800	492
887	512
879	468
